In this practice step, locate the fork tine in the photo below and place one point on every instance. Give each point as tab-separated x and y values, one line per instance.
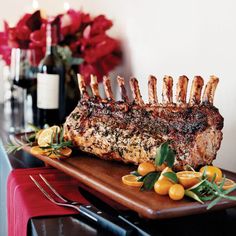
42	190
53	189
54	201
64	199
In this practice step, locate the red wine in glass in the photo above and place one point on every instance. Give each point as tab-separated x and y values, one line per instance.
24	82
23	72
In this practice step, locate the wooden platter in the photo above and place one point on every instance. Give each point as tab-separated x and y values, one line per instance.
105	177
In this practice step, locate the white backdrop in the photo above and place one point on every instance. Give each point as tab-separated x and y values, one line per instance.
169	37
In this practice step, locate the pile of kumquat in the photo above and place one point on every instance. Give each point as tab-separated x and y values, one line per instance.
204	185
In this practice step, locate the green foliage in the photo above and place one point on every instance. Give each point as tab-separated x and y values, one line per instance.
165	154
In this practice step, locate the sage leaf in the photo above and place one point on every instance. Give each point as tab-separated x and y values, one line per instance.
161	154
149	180
170	159
165	154
171	176
193	195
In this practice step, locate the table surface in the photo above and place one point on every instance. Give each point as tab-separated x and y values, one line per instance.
213	223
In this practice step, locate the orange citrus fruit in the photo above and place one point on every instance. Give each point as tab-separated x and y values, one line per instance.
176	192
167	169
188	178
45	137
36	150
60	153
131	180
38	133
145	168
161	167
211	171
229	183
162	186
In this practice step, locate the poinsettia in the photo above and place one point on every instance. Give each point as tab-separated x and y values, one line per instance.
92	50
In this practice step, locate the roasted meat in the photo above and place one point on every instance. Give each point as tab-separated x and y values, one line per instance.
131	131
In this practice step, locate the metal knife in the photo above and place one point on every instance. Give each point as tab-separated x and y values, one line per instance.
127	218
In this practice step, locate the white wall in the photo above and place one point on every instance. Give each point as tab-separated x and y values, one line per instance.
170	37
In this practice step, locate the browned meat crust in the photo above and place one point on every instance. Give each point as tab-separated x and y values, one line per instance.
131	132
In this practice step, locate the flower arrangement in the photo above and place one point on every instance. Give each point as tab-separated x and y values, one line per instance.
84	41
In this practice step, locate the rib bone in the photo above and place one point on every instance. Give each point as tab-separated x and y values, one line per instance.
152	90
121	83
196	89
94	86
136	92
209	92
107	87
131	132
167	93
181	90
82	86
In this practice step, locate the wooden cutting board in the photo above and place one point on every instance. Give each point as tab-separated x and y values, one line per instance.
105	177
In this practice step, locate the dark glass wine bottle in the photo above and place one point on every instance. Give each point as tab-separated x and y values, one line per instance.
51	81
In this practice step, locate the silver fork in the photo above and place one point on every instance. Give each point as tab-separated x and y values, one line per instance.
111	223
63	198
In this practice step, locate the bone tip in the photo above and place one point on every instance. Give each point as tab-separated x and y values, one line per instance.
214	78
120	79
199	79
152	78
184	77
79	77
105	78
93	79
167	78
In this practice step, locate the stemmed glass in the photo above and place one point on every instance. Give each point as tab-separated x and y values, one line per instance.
23	71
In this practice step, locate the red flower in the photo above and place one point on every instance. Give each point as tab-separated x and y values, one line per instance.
100	25
72	21
5	50
85	36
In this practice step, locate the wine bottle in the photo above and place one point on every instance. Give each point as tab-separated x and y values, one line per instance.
51	81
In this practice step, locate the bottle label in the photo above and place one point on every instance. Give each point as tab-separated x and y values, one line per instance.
47	91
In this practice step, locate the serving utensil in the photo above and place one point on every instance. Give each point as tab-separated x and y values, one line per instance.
112	224
129	217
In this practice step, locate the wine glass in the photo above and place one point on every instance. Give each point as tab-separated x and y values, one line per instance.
23	71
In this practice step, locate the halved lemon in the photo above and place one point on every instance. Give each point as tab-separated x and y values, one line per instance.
36	150
60	153
38	133
229	183
188	178
131	180
45	137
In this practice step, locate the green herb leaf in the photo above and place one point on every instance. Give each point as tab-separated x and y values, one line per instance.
171	176
15	145
193	195
149	180
197	185
33	127
214	177
161	154
165	154
213	203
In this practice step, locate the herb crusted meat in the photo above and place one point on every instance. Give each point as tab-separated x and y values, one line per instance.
131	131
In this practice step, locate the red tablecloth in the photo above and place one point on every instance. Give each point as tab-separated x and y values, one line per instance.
24	199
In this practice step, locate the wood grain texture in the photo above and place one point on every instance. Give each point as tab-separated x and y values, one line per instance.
105	177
